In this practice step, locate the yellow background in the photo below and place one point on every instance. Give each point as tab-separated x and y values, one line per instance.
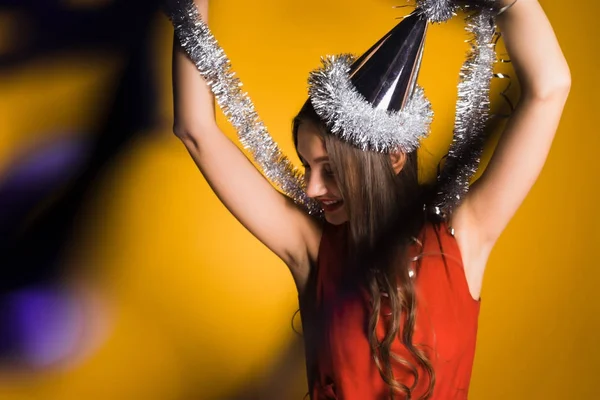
188	305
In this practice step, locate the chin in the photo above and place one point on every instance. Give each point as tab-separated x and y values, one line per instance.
336	218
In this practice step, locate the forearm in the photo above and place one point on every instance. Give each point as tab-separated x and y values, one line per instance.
534	50
193	100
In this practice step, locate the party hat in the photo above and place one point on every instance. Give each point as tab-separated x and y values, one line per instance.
386	74
374	102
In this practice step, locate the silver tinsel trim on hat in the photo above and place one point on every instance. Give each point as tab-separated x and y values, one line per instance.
472	112
352	118
210	59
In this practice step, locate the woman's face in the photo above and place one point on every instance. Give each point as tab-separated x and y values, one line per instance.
320	181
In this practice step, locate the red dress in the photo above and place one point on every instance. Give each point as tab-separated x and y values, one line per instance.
339	361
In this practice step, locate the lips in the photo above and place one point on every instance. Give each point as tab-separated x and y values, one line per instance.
331	204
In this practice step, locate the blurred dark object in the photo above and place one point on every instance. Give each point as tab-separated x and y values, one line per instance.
41	194
46	26
31	251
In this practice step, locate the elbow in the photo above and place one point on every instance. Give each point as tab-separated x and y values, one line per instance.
180	132
198	137
186	129
558	87
188	137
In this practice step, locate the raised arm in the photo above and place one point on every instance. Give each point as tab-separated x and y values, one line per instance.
545	81
269	215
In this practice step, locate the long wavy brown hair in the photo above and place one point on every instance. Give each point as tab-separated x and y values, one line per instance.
386	213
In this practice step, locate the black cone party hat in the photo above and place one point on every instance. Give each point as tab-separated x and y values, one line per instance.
373	102
386	74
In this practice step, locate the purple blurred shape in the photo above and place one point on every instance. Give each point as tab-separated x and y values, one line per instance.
45	323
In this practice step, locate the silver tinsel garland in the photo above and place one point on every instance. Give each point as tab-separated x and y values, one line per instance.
443	10
214	66
472	109
438	10
472	113
353	119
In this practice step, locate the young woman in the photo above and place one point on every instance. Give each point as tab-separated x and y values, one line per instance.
389	296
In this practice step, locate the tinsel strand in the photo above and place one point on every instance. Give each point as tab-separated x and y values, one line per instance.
214	66
472	113
443	10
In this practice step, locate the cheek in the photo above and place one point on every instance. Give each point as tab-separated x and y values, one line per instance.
332	185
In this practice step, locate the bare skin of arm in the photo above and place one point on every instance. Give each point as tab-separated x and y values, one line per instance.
270	216
545	82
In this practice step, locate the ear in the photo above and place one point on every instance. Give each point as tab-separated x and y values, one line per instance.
398	159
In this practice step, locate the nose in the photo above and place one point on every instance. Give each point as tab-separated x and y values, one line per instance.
315	186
